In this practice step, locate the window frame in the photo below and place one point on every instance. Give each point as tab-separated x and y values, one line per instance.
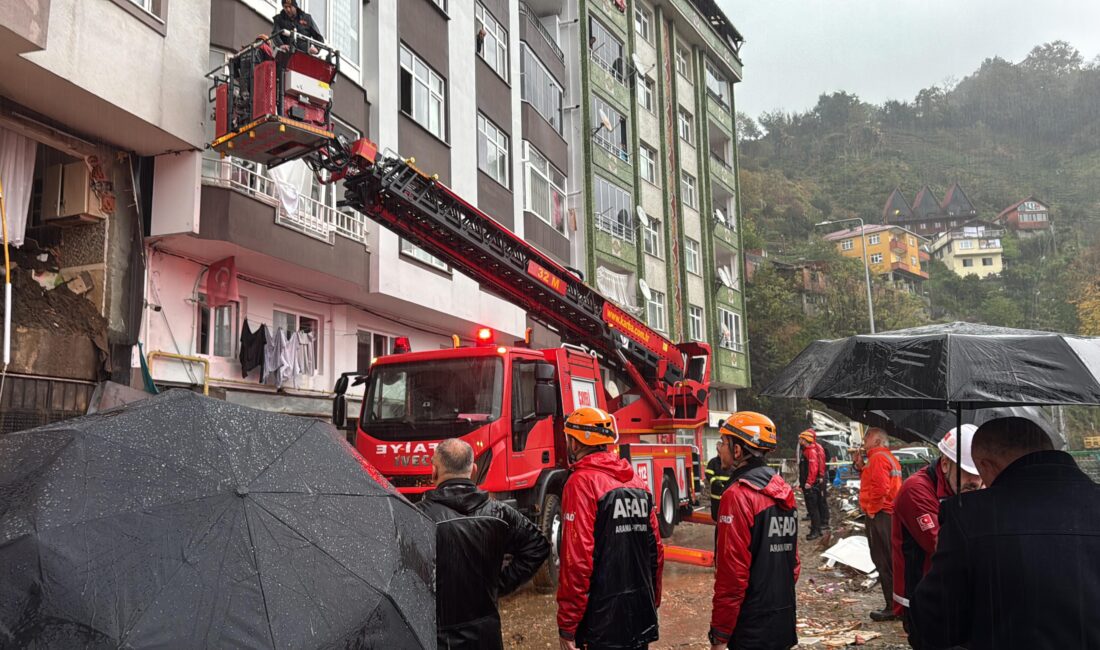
484	138
411	251
735	341
487	21
847	245
526	56
651	238
298	316
643	22
683	67
693	256
431	93
606	35
713	74
206	319
873	240
647	159
872	259
328	29
606	221
152	13
656	313
532	168
689	194
618	147
647	90
685	125
695	323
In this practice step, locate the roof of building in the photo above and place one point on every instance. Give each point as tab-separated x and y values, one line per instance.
956	202
896	208
869	229
925	203
1018	204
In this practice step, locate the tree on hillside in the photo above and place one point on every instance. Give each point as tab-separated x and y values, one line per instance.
747	128
1056	57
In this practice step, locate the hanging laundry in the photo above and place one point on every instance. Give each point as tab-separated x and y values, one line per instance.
252	349
307	361
286	352
271	357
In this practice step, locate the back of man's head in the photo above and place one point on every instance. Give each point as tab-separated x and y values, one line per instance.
453	458
876	437
1001	442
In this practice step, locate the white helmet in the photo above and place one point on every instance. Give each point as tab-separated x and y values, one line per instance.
948	443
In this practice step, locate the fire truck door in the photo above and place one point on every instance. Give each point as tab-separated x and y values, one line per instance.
532	444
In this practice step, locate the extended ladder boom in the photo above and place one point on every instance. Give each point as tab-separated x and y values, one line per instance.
427	213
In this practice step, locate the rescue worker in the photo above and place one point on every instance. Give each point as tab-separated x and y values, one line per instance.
473	535
718	477
879	483
294	20
916	520
609	585
813	476
1017	565
757	555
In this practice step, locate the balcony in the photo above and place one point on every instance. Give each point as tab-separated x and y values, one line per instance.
312	218
618	226
531	21
897	246
721	171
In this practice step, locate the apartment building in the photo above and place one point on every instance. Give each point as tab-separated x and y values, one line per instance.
971	249
894	253
92	92
654	92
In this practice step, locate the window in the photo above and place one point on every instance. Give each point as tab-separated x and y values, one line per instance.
717	86
731	330
968	262
876	258
423	94
687	189
682	59
987	261
410	249
912	261
292	323
647	162
695	322
846	245
370	346
966	244
646	93
912	242
938	225
873	239
492	150
613	209
339	21
692	258
544	193
492	41
686	124
651	241
613	139
643	22
217	335
442	4
539	89
153	13
606	50
655	311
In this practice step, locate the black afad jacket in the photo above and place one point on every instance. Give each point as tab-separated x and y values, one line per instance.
473	534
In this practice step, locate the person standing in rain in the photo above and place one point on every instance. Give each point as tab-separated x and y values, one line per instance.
1017	565
756	558
879	483
609	586
916	521
473	535
813	476
293	20
718	477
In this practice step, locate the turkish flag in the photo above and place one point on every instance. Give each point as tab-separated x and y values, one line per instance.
221	282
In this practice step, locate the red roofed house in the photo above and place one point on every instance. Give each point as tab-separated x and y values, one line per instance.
1027	216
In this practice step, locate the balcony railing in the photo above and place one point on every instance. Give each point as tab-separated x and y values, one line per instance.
610	146
611	224
533	21
313	218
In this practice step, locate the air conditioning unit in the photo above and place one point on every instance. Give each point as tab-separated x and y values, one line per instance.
67	196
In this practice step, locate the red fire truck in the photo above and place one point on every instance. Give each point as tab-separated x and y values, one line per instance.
507	400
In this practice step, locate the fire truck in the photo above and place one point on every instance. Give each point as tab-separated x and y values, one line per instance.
506	399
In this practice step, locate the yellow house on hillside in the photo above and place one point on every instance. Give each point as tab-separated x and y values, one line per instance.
892	251
973	248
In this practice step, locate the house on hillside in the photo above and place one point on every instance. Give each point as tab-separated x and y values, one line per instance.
893	252
811	282
755	259
928	216
972	248
1029	216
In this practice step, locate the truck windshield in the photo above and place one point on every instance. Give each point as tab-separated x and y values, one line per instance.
433	399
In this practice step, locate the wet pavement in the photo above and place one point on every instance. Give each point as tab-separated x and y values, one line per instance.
832	606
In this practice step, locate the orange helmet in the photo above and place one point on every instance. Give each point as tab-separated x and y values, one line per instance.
809	435
754	429
592	426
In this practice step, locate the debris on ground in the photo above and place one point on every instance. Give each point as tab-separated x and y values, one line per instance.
852	551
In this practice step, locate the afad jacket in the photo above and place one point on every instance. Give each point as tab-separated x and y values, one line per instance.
915	527
473	535
811	465
757	560
609	584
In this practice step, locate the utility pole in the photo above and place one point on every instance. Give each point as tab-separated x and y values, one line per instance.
866	266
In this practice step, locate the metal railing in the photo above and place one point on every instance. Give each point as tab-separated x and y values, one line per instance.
616	227
313	218
610	146
613	68
533	20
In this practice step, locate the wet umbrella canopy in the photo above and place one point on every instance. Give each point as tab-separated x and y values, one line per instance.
945	367
182	521
929	425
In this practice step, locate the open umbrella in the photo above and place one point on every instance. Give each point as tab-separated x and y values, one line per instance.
930	425
182	521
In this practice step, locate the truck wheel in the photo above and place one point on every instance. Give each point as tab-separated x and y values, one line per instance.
670	504
546	580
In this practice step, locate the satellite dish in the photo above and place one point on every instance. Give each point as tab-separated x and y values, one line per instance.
646	293
720	216
643	218
605	121
724	277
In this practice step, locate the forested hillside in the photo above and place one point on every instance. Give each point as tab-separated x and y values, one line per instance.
1005	132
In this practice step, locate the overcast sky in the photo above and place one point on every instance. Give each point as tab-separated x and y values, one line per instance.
889	49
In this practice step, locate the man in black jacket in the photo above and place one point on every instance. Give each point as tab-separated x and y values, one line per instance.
473	535
1017	565
293	19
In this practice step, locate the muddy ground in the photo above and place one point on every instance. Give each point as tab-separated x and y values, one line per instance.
828	599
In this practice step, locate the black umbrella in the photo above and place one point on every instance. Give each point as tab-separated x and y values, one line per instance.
930	425
188	522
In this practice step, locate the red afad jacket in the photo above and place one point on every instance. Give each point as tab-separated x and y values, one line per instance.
915	529
609	587
757	559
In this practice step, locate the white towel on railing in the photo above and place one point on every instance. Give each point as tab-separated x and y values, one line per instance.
292	179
